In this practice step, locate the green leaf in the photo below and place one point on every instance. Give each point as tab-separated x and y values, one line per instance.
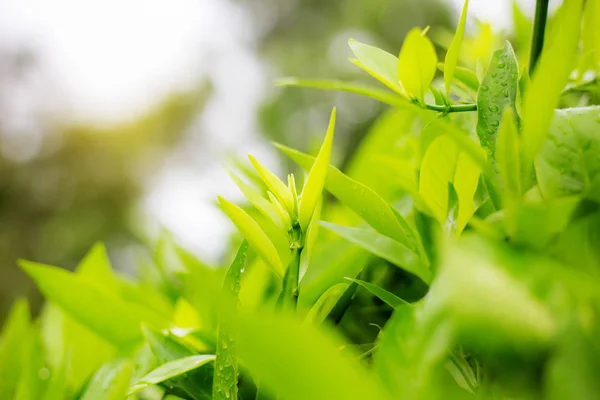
170	370
454	50
12	347
313	187
31	385
196	383
110	382
416	64
590	37
445	163
569	162
507	157
254	234
442	126
551	74
464	76
451	211
226	362
387	297
323	306
384	247
99	310
270	344
275	185
380	64
360	199
263	205
497	91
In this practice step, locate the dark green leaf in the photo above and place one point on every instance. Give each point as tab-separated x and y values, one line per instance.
389	298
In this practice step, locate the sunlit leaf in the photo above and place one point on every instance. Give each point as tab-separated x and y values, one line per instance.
313	187
110	382
497	91
416	64
378	63
170	370
91	305
464	76
269	344
389	298
551	74
507	156
451	60
590	37
384	247
360	199
226	362
13	347
254	234
275	185
443	163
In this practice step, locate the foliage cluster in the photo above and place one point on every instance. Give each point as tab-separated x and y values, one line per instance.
457	256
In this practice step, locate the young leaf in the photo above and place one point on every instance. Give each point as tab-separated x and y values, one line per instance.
389	298
275	185
507	156
464	76
380	64
444	162
360	199
226	362
548	81
12	347
497	91
451	211
91	305
170	370
254	234
110	382
590	36
257	200
384	247
569	162
313	187
323	306
269	344
416	64
454	50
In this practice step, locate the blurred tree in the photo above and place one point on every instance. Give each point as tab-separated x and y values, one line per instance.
81	183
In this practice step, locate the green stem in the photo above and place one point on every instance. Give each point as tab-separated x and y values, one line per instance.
453	108
539	31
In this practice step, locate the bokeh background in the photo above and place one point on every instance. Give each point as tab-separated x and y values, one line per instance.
116	116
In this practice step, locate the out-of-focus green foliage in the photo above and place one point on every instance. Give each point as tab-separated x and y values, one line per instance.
472	274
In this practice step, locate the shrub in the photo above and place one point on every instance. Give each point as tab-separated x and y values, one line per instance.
459	258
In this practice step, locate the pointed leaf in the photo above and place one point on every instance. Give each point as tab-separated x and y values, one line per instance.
12	347
590	36
275	185
313	187
360	199
171	370
378	63
384	247
254	234
497	91
454	50
451	211
548	81
507	156
226	362
417	64
387	297
91	305
269	344
110	382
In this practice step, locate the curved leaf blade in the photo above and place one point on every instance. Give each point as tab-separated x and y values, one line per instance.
384	247
454	50
387	297
378	63
417	64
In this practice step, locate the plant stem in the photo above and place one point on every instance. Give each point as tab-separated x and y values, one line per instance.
539	31
453	108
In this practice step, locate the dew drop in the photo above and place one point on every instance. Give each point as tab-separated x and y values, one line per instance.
504	83
494	123
224	344
494	74
227	393
485	88
506	93
501	64
493	108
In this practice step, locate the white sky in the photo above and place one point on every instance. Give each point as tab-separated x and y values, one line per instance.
110	59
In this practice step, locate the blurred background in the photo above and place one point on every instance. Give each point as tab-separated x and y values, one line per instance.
116	116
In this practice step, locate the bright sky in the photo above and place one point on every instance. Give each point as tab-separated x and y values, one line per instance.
110	59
